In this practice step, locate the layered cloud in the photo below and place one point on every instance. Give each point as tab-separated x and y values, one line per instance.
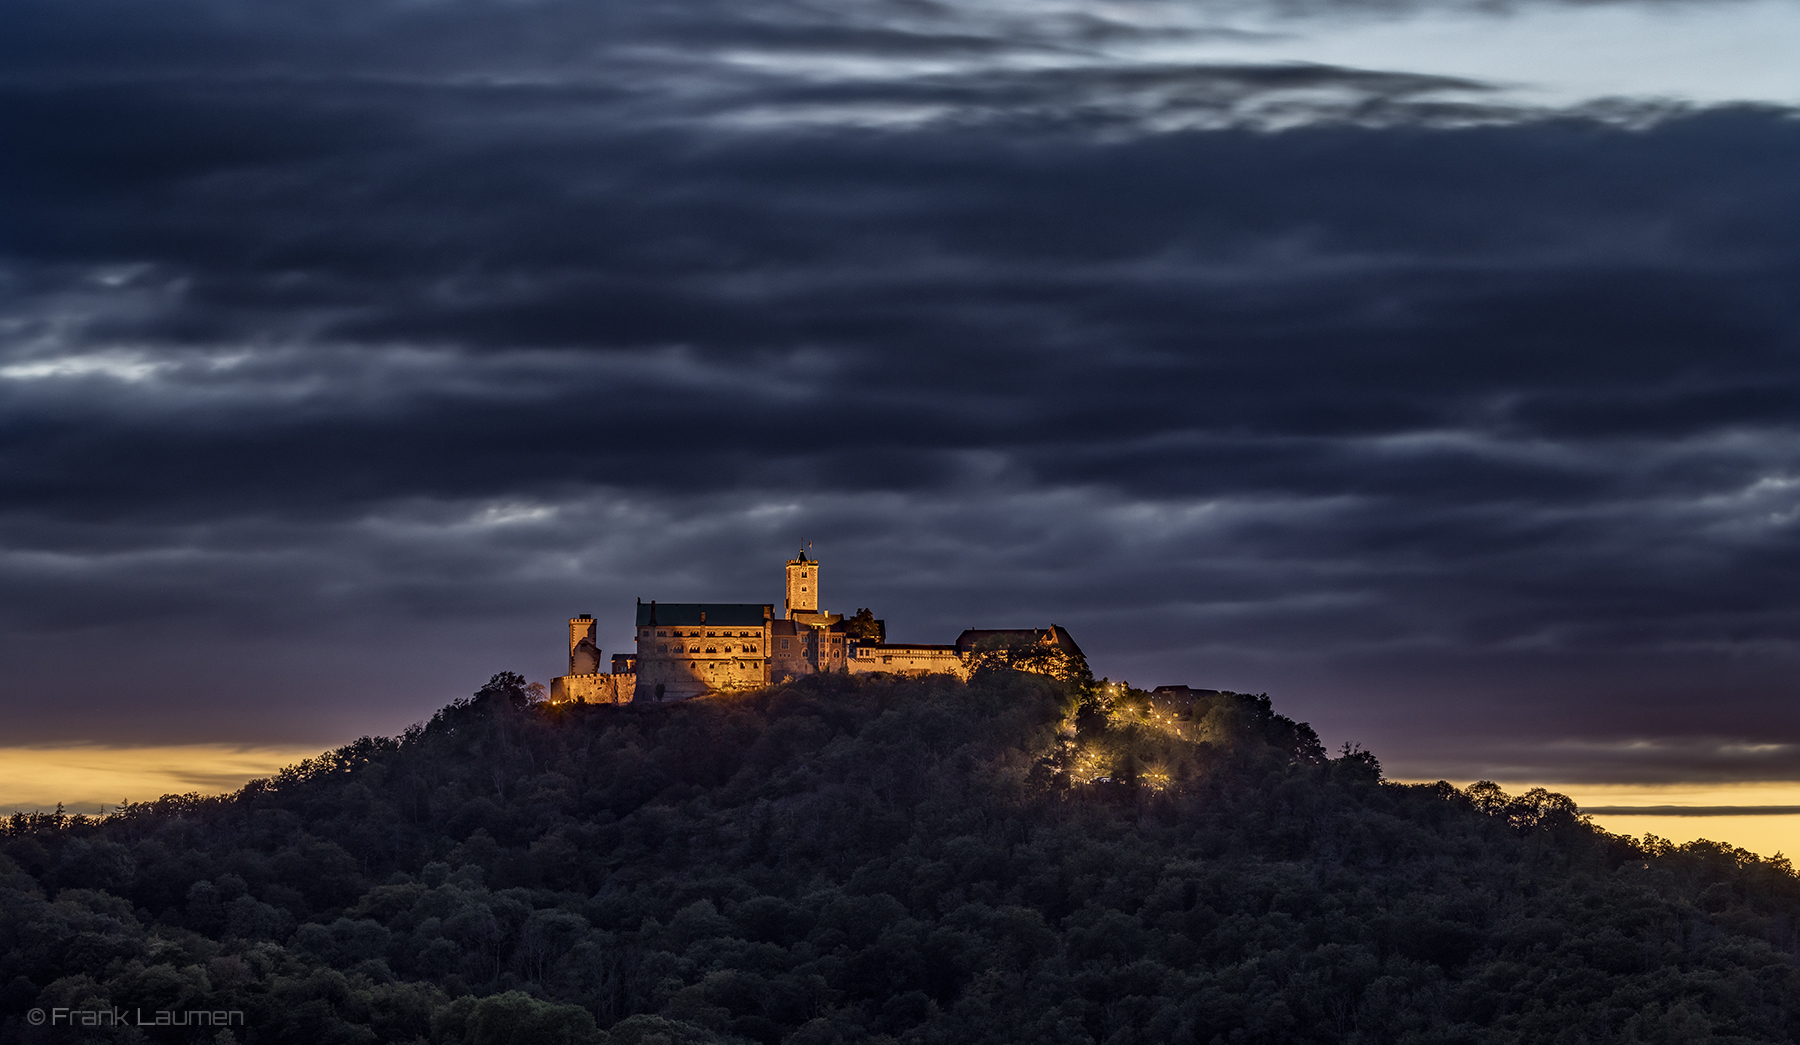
349	348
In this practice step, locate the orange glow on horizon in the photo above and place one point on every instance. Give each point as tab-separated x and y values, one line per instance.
89	778
1762	833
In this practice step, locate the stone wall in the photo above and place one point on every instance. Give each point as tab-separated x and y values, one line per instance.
682	678
593	688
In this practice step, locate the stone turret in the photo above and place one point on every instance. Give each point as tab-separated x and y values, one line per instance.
584	650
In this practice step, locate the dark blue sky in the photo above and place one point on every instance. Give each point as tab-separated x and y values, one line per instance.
348	348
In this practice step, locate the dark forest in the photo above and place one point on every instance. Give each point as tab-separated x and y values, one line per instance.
1011	859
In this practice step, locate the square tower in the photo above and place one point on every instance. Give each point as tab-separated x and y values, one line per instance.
584	651
802	585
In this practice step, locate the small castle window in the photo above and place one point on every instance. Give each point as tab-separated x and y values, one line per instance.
784	644
662	647
662	634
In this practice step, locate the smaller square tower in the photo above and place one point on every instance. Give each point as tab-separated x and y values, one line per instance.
584	651
802	586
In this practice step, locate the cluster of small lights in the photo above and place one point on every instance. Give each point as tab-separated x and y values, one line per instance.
1089	765
1089	768
1163	721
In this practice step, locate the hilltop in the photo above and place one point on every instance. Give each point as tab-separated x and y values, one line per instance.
882	859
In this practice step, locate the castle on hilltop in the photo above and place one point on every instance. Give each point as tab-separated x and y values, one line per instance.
690	649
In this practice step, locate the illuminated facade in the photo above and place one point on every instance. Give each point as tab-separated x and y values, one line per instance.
689	649
685	649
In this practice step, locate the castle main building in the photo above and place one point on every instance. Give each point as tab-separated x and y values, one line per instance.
689	649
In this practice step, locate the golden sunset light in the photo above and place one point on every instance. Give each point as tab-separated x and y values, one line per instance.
94	779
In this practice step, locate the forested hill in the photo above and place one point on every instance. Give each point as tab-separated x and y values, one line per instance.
846	860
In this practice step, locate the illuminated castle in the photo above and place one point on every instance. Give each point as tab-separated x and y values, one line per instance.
688	649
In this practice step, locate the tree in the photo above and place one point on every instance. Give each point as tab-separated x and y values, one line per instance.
865	628
511	689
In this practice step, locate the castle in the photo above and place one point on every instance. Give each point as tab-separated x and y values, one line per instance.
690	649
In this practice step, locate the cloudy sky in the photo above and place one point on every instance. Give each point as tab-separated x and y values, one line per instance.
1429	366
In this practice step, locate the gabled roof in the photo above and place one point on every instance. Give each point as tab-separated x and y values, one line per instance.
1053	635
694	614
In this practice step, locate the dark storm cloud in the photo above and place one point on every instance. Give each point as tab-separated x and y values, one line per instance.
347	348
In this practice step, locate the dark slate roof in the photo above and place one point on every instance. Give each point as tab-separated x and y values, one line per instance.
719	614
1179	696
1059	635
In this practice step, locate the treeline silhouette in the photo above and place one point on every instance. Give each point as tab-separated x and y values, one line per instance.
843	859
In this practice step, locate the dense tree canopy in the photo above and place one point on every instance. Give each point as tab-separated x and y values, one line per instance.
1014	859
863	626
